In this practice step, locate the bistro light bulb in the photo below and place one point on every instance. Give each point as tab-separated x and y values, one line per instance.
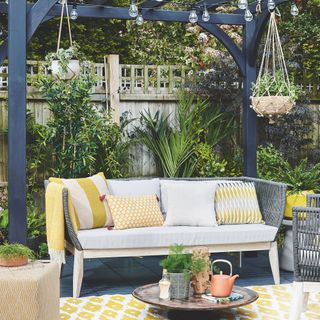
74	13
271	5
139	19
205	15
133	10
248	15
193	18
242	4
294	9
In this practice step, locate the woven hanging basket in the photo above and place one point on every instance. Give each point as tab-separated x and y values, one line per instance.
270	105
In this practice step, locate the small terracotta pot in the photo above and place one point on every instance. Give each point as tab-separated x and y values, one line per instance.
13	262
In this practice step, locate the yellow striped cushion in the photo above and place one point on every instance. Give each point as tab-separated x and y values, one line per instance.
135	212
236	203
92	211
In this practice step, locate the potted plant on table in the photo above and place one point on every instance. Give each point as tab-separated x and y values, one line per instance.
15	255
64	63
178	264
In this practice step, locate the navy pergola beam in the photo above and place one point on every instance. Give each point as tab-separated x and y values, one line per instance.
152	4
121	13
210	3
249	117
17	120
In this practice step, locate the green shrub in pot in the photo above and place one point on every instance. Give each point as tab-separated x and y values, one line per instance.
178	264
15	255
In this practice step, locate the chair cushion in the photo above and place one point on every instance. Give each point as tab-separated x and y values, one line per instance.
236	203
135	212
154	237
190	204
86	193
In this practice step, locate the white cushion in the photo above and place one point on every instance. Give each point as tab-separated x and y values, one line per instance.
136	187
164	183
153	237
190	204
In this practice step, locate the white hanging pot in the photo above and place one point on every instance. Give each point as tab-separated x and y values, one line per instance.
73	70
271	106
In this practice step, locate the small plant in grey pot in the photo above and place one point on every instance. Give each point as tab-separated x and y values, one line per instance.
178	264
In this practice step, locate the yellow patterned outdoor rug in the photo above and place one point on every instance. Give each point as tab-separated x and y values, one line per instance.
274	304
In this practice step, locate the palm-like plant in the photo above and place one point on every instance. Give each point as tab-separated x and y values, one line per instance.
173	142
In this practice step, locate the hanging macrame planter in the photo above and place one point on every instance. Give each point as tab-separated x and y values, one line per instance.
273	95
64	64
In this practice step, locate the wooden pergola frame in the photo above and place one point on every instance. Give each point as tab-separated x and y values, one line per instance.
24	19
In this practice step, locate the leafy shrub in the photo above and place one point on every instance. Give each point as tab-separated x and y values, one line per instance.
269	163
81	140
208	162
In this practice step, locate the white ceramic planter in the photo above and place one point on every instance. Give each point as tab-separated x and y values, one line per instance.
73	70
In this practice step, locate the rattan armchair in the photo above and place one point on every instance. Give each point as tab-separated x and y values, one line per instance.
306	253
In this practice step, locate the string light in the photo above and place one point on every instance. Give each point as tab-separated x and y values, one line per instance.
294	9
139	19
205	14
248	16
193	17
242	4
271	5
133	9
74	12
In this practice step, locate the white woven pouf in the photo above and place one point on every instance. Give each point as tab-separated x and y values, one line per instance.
30	292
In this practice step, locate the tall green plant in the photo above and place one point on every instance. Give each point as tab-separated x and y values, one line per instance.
174	139
82	139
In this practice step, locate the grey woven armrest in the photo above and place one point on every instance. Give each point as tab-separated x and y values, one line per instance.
313	200
272	200
306	243
70	233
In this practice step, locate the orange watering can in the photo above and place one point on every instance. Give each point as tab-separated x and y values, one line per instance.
222	284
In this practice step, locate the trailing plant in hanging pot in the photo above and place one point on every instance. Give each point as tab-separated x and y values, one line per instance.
64	63
273	94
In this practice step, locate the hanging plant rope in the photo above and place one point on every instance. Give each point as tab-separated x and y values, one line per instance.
64	4
273	94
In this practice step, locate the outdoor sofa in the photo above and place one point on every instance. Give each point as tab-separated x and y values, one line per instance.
153	241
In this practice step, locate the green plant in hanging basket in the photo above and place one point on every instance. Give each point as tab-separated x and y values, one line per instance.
275	85
273	94
64	63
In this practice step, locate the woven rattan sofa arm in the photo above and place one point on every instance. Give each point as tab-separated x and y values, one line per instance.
313	200
306	243
272	200
70	233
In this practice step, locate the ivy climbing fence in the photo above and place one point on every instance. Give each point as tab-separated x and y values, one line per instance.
121	88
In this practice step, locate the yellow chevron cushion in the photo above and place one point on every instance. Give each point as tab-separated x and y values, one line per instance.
236	203
135	212
87	196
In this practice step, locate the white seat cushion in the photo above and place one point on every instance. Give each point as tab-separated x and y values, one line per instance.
153	237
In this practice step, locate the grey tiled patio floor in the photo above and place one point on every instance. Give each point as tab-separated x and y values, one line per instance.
122	275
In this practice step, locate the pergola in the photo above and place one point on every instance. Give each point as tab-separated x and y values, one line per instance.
24	19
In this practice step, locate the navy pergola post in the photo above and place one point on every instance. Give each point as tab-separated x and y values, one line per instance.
17	25
24	19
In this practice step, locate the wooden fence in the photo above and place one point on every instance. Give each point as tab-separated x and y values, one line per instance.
119	88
